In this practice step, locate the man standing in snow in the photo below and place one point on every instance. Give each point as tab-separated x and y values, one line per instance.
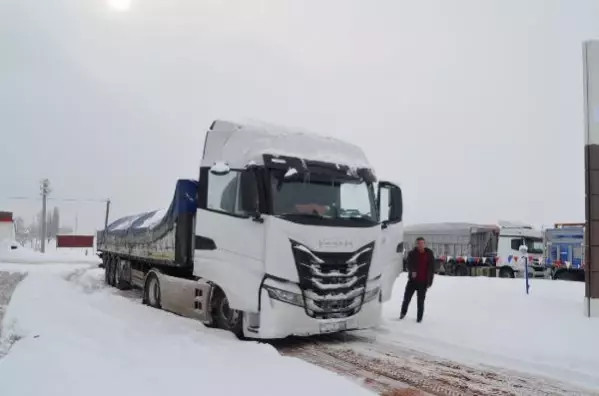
421	270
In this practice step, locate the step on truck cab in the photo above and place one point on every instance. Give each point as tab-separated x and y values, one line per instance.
283	234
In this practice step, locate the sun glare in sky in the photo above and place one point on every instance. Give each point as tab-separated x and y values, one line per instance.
119	5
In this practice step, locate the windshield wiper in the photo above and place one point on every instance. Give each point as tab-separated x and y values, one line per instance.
365	218
314	215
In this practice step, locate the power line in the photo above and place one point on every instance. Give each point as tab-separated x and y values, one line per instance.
60	199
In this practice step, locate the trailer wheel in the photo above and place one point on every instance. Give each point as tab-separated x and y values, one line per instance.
119	282
506	272
224	316
107	270
152	295
450	268
110	266
461	270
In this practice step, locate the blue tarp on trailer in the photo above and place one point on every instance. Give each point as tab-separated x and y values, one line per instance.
149	226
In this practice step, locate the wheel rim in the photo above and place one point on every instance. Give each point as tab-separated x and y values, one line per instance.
154	292
229	315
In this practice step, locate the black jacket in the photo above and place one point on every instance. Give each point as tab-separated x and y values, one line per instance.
412	264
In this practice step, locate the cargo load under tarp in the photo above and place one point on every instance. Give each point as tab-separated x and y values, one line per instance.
163	235
455	239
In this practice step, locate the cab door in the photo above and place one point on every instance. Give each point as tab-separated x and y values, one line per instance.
390	246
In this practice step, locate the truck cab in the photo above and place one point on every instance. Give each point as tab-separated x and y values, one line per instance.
291	229
509	258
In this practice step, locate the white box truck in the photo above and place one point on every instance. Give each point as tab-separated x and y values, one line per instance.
284	233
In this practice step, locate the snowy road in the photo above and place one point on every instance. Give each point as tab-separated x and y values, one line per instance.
372	358
385	366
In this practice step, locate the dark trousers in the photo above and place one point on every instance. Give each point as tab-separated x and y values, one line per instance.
420	289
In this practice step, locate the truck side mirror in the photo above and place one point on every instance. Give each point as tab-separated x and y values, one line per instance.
389	203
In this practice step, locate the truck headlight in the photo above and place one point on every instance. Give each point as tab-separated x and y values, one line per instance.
371	294
285	296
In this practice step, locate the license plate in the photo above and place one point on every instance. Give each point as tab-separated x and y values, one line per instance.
332	327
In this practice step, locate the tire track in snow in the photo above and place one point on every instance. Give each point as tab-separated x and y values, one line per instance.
415	369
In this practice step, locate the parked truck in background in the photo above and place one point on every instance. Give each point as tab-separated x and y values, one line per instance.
284	233
465	249
564	251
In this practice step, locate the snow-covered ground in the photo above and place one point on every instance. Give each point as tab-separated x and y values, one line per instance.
76	337
26	255
491	321
72	331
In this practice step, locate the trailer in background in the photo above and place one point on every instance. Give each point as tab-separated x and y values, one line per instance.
564	251
467	249
7	230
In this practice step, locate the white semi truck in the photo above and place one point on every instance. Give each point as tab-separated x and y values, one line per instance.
464	249
284	233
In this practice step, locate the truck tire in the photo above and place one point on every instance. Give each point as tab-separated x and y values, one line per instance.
119	281
461	270
225	317
110	270
506	272
450	268
438	265
152	294
107	270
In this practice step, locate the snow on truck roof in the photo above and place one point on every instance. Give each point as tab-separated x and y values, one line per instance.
240	144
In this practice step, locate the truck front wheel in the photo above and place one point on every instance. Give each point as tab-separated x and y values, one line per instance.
226	317
506	272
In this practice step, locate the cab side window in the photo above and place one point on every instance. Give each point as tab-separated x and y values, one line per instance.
516	243
234	193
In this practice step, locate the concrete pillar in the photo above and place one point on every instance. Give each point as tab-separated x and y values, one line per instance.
591	164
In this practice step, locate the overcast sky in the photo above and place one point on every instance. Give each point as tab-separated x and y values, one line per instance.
474	106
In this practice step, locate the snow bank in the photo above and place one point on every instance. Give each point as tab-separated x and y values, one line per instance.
493	322
23	255
76	337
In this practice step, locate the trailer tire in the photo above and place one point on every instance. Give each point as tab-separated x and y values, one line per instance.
152	294
119	281
438	265
225	317
450	268
461	270
110	268
506	272
107	270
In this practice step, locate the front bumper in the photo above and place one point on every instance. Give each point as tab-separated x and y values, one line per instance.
279	319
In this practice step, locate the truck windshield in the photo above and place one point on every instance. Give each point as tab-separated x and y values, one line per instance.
323	199
534	245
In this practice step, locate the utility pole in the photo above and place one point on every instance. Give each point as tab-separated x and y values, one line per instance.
45	190
106	219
